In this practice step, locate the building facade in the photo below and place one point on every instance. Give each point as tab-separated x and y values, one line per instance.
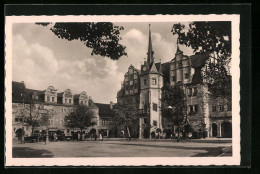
28	100
144	86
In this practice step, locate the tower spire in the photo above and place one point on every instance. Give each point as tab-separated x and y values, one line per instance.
150	58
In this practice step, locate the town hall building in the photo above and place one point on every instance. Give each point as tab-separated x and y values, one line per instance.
143	87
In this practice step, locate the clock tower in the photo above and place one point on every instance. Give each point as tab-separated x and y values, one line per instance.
151	82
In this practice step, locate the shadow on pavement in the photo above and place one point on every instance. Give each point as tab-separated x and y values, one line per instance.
211	151
26	152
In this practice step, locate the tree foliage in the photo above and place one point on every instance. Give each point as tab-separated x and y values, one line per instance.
35	115
126	113
213	38
80	117
174	103
102	37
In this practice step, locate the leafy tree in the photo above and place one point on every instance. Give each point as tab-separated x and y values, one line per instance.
127	114
34	115
81	117
46	116
214	39
174	105
102	37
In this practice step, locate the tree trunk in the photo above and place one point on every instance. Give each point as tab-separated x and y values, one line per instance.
47	136
129	136
178	139
80	135
32	130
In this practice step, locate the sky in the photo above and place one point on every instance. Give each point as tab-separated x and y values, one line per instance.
41	59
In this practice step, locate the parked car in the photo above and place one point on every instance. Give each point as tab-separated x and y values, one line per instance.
31	139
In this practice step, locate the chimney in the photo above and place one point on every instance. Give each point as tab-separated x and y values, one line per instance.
111	105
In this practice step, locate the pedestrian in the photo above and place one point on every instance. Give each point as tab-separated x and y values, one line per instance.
55	137
157	135
100	136
78	136
83	136
123	133
95	136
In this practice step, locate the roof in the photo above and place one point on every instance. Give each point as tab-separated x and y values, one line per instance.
19	88
104	110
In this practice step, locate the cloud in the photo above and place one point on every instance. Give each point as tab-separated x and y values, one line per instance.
40	66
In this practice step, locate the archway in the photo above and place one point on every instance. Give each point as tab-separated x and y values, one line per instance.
18	133
226	130
214	128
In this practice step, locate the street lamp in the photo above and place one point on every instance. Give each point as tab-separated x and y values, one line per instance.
173	108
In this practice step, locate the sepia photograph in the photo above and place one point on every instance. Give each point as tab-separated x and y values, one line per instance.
124	90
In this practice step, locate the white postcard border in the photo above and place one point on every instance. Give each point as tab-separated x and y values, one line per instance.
125	161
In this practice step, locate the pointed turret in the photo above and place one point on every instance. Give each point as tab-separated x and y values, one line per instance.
150	58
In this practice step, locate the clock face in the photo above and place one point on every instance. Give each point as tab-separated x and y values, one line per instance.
144	68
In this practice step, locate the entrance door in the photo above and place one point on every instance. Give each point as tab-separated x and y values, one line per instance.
226	130
214	130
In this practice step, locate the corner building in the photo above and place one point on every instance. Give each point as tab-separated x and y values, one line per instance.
143	88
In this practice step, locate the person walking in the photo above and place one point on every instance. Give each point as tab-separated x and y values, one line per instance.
100	136
123	134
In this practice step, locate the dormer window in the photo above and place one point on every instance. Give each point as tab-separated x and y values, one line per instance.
52	99
65	100
69	100
154	81
48	98
81	102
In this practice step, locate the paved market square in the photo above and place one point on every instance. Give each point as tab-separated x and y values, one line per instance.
119	148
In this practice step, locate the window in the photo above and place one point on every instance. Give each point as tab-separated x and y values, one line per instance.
144	81
221	108
130	71
179	64
48	98
135	86
214	108
154	81
229	107
65	100
52	99
195	91
135	76
69	100
154	123
81	102
186	75
191	108
145	120
190	92
131	77
68	131
155	107
196	108
131	83
173	78
21	119
16	119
